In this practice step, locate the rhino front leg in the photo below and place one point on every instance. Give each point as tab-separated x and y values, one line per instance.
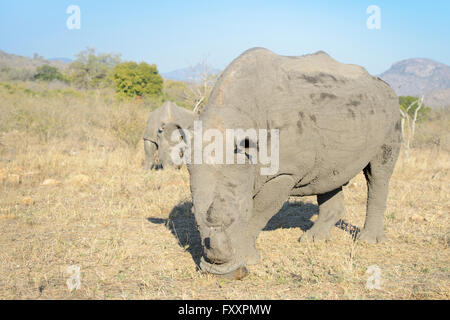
150	152
331	209
266	204
378	173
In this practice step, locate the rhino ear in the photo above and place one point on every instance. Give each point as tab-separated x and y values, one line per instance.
169	132
183	134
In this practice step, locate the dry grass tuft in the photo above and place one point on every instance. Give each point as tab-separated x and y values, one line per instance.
133	236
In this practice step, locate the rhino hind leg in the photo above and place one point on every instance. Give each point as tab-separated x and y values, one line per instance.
378	173
331	209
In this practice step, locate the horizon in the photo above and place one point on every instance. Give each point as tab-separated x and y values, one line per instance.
212	67
174	34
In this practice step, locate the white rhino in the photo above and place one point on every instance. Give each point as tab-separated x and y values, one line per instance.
157	136
334	120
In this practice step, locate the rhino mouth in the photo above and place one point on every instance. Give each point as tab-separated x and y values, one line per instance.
219	255
224	268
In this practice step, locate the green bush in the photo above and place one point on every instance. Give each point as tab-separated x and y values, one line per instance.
132	80
48	73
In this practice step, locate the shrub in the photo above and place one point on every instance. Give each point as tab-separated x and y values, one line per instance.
132	79
48	73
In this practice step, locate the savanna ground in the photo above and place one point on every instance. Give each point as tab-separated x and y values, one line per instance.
73	192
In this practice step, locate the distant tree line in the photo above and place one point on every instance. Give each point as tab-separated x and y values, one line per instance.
92	70
129	79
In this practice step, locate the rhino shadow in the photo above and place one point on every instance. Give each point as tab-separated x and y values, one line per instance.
298	214
182	225
293	215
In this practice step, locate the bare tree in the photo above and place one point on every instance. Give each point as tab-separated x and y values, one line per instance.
199	88
408	134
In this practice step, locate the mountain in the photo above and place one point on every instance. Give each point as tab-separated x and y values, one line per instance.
14	61
417	77
191	74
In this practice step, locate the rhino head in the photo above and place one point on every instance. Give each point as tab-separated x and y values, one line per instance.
222	205
168	141
159	137
222	197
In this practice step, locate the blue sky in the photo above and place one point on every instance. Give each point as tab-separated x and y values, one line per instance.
174	34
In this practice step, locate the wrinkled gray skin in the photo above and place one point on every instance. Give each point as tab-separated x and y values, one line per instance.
157	136
335	120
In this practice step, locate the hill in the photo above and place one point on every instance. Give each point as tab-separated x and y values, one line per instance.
15	67
190	74
21	62
416	77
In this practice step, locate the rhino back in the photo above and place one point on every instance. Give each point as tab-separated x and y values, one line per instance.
261	84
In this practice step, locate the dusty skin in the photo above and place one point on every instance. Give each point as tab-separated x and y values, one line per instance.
335	121
157	136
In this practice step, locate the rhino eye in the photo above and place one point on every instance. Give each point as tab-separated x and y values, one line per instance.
244	147
247	144
160	130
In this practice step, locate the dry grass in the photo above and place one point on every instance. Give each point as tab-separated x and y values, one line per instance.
133	236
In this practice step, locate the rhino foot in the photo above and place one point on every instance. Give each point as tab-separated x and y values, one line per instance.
372	236
315	235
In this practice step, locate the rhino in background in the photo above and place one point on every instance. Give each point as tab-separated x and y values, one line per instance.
157	136
334	120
